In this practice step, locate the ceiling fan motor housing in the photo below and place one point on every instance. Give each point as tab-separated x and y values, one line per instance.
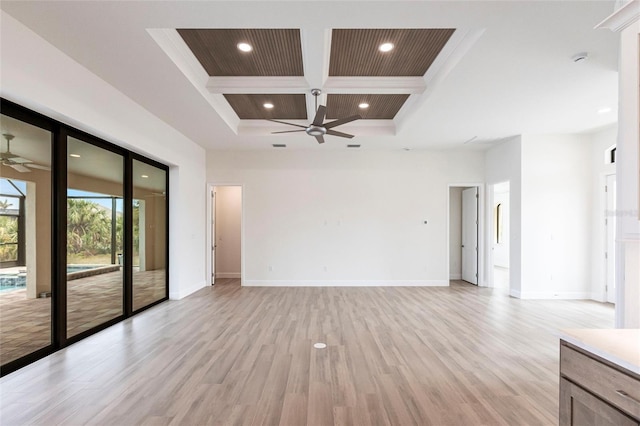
315	130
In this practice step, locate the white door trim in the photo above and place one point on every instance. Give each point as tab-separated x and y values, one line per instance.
482	278
210	187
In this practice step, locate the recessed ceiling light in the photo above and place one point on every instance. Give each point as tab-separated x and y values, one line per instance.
363	105
245	47
144	176
74	155
604	110
268	105
319	345
385	47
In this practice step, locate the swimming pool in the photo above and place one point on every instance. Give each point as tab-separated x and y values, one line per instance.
12	281
16	281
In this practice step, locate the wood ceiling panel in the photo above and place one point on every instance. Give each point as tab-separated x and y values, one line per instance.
285	107
276	52
381	107
354	52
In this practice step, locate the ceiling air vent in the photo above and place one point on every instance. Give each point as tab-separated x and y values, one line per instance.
279	145
353	146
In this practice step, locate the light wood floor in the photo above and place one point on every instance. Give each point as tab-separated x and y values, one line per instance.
238	355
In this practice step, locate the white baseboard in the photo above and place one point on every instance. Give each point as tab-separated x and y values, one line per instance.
455	276
228	275
515	293
345	283
184	291
598	297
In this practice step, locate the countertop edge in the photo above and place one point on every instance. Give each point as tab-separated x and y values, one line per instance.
600	353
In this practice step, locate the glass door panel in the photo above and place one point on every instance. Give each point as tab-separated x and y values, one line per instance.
25	239
95	232
149	234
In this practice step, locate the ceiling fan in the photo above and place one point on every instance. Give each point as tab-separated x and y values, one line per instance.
16	162
318	128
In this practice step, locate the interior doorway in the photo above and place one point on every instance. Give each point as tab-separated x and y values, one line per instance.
464	233
610	232
500	235
226	235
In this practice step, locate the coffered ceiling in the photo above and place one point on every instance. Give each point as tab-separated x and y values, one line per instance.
266	57
459	71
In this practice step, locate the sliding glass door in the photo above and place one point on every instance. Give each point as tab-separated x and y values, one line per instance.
83	235
95	232
149	234
25	239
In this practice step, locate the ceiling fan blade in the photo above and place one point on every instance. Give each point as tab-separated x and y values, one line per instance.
340	134
341	121
19	160
288	131
290	124
320	139
319	118
19	167
38	166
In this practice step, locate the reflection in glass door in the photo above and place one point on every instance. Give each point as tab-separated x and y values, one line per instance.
25	239
95	232
149	234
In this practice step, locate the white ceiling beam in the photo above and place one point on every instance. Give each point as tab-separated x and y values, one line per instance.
375	85
257	85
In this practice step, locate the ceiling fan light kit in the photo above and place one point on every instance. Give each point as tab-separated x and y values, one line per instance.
318	128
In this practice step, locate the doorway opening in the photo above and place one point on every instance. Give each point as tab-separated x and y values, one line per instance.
464	233
500	235
226	235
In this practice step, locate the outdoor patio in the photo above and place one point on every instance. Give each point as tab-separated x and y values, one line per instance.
25	324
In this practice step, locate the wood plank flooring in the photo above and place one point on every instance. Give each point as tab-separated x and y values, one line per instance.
239	355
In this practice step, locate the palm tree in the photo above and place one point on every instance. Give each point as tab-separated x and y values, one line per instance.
8	238
88	228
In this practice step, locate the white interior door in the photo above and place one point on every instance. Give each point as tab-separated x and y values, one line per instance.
610	223
213	236
470	235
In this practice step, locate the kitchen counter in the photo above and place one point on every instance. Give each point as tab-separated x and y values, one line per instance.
619	346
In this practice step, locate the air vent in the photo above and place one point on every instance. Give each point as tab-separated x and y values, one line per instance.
279	145
353	146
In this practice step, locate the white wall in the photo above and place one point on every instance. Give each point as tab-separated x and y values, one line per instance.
345	217
504	163
600	142
37	75
228	231
556	216
628	180
455	233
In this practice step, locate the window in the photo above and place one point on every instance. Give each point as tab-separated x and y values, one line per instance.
498	221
